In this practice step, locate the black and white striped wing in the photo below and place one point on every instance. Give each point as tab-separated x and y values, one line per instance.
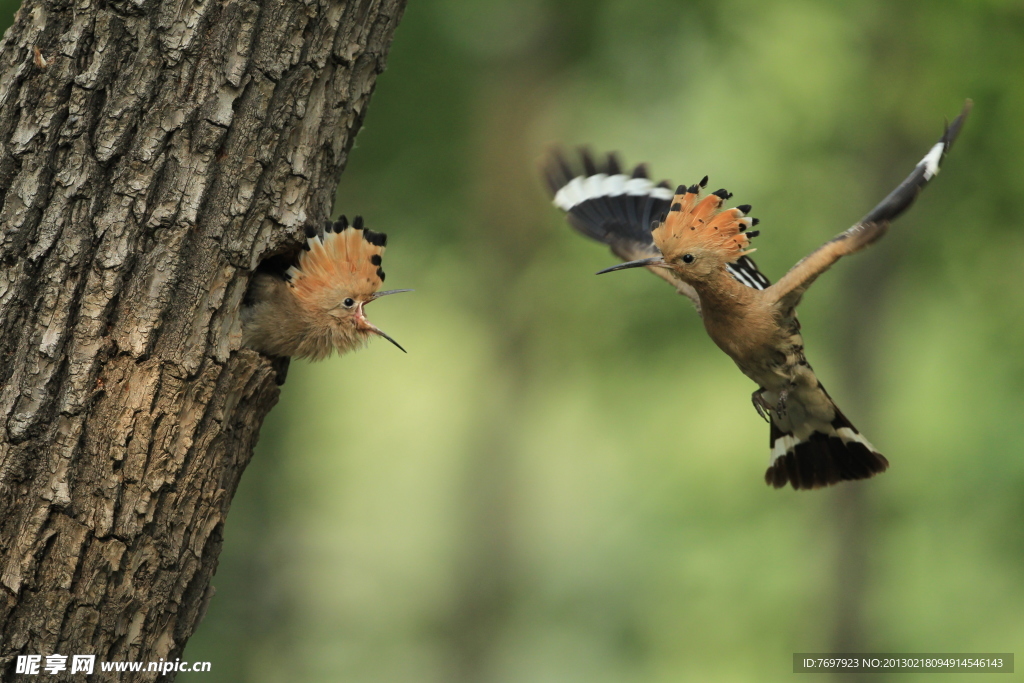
745	270
617	209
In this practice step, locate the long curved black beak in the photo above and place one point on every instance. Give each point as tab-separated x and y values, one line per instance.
377	295
641	263
376	330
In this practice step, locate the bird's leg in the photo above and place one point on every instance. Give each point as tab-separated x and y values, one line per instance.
761	405
780	409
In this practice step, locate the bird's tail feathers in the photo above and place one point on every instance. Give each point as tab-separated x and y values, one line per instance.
825	456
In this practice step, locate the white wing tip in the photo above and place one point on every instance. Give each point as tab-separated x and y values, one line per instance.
931	160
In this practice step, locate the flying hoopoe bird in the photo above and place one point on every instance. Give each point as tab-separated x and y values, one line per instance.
703	251
311	307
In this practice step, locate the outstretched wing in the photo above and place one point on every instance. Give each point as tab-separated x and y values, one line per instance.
610	206
788	290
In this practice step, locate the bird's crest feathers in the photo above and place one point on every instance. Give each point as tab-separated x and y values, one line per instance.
339	259
693	222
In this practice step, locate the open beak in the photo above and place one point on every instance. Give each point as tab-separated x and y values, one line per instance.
370	327
656	261
376	330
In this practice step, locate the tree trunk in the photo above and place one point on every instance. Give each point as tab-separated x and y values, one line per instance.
151	153
869	282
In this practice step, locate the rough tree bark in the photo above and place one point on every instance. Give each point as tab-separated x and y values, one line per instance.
151	153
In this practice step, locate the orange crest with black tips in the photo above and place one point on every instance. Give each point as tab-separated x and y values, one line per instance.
340	260
695	223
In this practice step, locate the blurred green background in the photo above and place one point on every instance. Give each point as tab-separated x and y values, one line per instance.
562	480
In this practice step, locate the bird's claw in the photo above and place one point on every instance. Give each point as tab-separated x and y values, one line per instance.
761	405
765	409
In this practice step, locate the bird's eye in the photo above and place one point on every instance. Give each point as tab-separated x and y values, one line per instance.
349	302
687	258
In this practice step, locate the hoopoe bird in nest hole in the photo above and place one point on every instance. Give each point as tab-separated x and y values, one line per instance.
703	251
313	305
